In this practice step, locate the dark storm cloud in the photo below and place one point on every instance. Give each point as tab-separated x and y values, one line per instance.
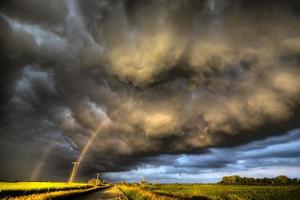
166	77
279	152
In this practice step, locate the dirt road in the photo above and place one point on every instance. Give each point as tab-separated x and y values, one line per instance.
111	193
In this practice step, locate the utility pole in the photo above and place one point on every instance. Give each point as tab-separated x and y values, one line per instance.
97	179
74	171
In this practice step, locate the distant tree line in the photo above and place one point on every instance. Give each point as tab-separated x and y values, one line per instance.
279	180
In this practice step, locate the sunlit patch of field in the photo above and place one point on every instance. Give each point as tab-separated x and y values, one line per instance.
43	190
14	186
213	191
27	186
62	194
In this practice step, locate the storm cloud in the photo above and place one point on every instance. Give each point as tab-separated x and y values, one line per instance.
265	158
166	78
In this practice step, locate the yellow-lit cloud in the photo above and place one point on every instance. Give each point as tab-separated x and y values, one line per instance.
143	60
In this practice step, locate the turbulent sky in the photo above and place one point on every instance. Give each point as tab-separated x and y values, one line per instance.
172	90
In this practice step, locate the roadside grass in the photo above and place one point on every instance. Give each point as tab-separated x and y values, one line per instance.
136	193
227	192
62	194
142	193
44	190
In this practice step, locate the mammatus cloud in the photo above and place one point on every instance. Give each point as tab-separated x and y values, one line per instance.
171	77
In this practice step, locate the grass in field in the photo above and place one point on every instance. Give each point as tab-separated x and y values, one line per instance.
27	186
136	193
47	196
217	192
43	190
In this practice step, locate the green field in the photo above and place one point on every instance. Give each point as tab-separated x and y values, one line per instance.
212	191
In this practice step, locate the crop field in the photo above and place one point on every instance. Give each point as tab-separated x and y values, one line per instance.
28	186
40	190
211	191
